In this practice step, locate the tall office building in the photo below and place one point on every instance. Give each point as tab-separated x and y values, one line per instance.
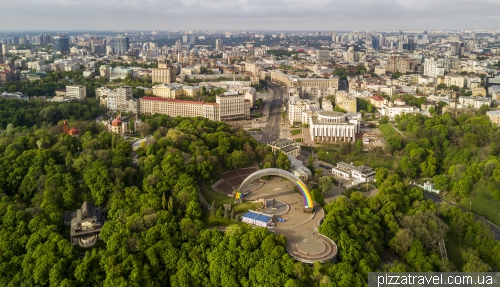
120	45
1	54
192	39
218	44
178	46
185	39
47	40
61	44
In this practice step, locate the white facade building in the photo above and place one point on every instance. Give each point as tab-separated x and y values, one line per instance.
296	110
457	80
432	68
334	126
76	92
356	173
398	107
475	102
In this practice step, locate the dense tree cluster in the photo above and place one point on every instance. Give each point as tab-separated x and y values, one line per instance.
455	151
24	113
153	235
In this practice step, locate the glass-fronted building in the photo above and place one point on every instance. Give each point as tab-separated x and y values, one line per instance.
61	44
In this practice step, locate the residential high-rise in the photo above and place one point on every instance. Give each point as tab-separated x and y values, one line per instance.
120	45
185	39
61	44
192	39
432	69
5	48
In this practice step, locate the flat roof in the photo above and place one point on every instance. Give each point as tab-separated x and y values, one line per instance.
257	216
250	214
171	100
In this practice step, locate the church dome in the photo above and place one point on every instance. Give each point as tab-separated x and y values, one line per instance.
116	122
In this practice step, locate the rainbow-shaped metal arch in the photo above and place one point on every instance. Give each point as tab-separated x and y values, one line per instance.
308	202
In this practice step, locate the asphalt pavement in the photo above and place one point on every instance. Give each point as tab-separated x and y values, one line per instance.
271	131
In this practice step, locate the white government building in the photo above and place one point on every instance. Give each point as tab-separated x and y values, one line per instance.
334	126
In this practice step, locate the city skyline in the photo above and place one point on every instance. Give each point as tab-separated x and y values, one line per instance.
249	15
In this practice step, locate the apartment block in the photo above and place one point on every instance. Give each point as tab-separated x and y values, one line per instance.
455	80
76	92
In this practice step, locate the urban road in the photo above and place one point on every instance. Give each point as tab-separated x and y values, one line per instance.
271	131
437	199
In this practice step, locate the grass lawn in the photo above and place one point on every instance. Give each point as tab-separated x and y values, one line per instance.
211	195
388	131
244	207
212	220
483	203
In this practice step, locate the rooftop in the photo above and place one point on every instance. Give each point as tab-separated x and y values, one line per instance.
493	113
331	114
282	142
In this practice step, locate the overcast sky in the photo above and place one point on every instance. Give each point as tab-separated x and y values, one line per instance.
66	15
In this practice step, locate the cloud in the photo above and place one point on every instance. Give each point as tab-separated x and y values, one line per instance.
248	15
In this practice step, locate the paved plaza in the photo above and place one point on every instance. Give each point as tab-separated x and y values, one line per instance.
304	242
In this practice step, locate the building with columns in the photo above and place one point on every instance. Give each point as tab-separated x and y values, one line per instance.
334	126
